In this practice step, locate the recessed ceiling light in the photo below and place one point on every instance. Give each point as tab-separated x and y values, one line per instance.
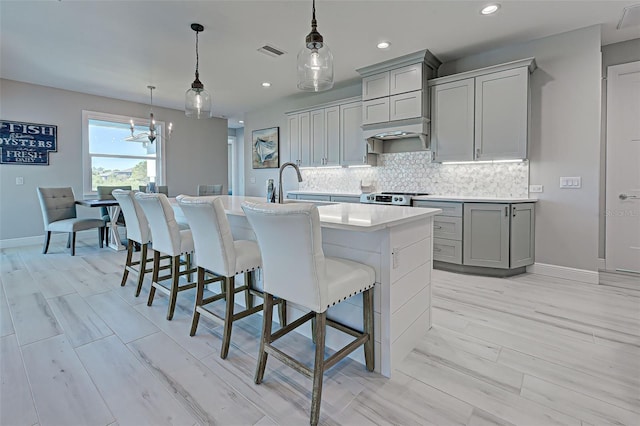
384	45
266	84
490	9
241	121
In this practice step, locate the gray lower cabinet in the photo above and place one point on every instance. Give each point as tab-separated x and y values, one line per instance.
344	199
499	236
331	198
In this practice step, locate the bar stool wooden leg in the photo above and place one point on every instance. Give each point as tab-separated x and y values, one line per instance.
101	236
199	297
69	240
228	317
154	276
318	369
173	294
127	264
282	312
73	243
143	268
313	330
248	297
367	310
188	267
267	317
47	238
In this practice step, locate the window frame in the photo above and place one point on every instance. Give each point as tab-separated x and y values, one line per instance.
87	156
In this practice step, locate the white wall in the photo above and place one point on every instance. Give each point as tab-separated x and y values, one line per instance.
564	139
196	152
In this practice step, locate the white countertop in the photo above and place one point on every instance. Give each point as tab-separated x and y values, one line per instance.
465	198
337	194
347	216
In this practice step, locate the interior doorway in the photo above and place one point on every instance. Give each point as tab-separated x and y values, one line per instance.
622	240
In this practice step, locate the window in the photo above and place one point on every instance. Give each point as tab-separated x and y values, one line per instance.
112	157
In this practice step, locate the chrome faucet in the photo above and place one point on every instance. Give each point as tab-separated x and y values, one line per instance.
295	166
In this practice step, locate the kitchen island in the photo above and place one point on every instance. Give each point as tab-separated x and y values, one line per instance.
397	243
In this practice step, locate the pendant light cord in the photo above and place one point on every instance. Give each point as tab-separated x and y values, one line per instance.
197	56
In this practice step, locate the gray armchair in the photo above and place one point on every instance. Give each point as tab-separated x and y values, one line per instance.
59	214
209	190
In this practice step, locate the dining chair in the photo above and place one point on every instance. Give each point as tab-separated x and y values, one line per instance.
168	239
218	254
59	215
137	232
209	190
295	269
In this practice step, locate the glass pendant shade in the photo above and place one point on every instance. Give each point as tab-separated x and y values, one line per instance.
197	103
315	69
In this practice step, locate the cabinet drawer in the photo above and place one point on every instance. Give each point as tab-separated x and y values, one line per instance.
448	227
344	199
449	208
375	111
447	250
375	86
310	197
406	105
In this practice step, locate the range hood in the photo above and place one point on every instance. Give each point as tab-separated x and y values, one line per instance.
409	135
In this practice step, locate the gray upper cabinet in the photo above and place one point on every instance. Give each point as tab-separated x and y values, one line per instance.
353	149
405	105
452	120
502	111
298	126
483	114
325	136
375	86
405	79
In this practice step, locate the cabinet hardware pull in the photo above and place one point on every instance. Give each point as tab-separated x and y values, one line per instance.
437	250
514	211
625	196
478	153
437	227
364	159
506	211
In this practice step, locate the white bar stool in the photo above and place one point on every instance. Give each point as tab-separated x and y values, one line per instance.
170	240
295	269
217	253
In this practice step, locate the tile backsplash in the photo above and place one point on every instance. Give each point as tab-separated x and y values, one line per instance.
414	172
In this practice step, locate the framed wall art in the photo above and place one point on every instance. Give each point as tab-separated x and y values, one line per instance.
27	143
265	150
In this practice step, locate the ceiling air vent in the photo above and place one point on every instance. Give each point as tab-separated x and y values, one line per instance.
271	51
630	17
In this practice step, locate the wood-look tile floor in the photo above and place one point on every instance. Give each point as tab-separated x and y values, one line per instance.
78	349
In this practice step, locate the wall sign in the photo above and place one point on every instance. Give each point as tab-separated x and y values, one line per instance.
27	143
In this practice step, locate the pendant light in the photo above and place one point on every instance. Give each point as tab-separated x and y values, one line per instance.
315	61
197	102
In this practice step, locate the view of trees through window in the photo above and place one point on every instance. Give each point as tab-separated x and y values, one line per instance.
116	158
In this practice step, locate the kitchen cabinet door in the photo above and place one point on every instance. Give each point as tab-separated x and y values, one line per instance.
299	138
375	86
375	111
452	120
405	79
406	105
501	117
486	235
317	119
353	148
332	136
522	236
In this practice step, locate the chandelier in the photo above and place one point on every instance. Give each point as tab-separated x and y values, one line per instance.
315	61
197	103
149	136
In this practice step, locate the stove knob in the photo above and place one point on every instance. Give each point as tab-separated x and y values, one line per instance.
401	199
395	198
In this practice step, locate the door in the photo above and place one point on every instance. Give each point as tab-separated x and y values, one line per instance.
522	235
502	112
305	139
406	105
318	138
332	136
486	235
293	127
622	221
452	120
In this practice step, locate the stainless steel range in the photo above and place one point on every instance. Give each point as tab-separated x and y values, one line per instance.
391	198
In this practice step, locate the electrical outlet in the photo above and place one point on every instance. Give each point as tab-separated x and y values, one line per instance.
536	188
571	182
19	180
252	179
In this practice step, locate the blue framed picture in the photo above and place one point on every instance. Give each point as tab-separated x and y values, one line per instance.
27	143
265	148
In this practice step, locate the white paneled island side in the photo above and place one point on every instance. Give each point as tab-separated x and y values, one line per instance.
397	243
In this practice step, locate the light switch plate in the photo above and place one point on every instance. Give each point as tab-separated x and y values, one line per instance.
536	188
19	180
570	182
252	180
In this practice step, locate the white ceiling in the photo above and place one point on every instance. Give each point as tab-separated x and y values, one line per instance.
117	48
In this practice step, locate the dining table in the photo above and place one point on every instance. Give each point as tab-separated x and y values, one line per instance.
113	208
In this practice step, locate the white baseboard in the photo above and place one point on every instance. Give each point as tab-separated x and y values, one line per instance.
582	275
38	239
